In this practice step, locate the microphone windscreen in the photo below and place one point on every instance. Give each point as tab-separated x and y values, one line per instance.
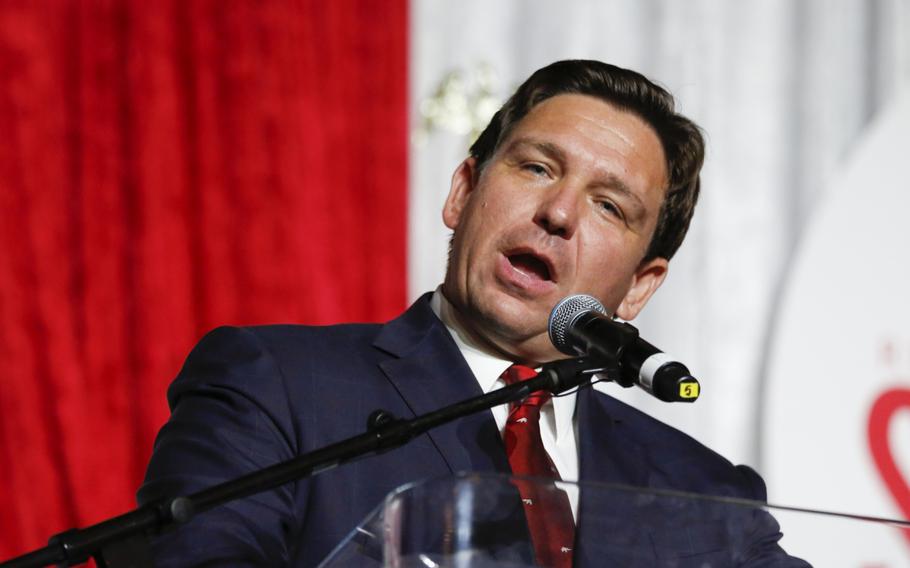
564	315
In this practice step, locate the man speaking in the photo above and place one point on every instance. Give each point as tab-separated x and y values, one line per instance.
584	182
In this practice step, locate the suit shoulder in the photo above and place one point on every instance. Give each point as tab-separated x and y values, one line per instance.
279	334
650	431
679	461
255	355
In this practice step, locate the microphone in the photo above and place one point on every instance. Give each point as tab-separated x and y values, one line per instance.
580	326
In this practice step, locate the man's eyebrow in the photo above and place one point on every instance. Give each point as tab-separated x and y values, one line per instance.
615	182
548	148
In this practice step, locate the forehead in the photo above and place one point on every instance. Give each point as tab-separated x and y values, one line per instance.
597	134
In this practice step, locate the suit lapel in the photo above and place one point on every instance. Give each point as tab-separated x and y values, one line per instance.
429	372
606	453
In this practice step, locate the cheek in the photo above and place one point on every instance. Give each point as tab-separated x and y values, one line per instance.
606	265
490	218
478	232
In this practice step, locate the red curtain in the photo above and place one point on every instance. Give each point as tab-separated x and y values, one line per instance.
167	167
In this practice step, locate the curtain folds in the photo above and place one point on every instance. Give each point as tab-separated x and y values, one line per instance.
167	167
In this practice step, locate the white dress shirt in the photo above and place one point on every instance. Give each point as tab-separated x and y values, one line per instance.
557	416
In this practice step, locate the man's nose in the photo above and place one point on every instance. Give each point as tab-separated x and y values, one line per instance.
558	213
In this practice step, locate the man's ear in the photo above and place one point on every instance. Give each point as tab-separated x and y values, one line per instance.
648	278
463	181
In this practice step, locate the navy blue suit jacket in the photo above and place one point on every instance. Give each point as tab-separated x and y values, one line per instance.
247	398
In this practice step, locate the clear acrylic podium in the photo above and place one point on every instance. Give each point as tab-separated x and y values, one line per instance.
475	521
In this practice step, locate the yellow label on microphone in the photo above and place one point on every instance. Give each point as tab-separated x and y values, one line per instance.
688	390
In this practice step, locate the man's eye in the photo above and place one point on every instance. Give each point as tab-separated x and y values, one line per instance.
536	169
611	208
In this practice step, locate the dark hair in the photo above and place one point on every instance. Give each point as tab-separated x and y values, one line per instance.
681	138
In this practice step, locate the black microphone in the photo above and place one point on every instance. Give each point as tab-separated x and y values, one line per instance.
580	326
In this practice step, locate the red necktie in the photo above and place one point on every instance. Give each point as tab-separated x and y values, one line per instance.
546	507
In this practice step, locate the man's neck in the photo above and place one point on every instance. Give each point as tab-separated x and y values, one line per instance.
450	316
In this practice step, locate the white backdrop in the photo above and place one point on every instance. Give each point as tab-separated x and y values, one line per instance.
837	428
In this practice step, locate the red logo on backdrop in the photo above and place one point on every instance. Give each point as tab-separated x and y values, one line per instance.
883	410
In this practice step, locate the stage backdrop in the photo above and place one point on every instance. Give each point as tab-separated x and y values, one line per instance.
166	167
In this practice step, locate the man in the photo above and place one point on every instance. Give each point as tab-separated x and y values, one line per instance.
584	182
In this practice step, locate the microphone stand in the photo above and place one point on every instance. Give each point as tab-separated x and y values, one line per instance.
123	540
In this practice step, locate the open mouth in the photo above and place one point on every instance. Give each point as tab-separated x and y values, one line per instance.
531	265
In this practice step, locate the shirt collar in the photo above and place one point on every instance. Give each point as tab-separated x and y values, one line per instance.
488	367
